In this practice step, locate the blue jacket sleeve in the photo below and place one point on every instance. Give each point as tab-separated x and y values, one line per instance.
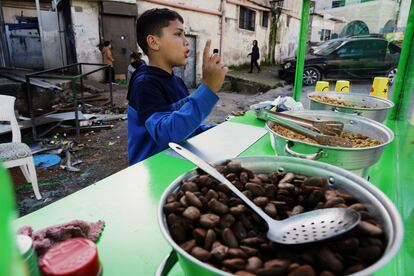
185	120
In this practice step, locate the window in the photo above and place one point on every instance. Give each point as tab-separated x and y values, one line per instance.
247	19
376	48
325	35
265	19
338	3
353	49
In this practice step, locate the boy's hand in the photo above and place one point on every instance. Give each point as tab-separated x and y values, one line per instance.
214	70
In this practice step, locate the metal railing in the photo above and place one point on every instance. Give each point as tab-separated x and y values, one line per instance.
79	75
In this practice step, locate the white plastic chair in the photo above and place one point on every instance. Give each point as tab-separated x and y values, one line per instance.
16	153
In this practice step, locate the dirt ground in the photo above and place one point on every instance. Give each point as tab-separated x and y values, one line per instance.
105	152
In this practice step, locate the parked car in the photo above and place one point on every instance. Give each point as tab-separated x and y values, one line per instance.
348	58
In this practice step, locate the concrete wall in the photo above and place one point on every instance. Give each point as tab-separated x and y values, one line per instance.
288	28
319	24
375	14
85	21
11	9
237	42
404	9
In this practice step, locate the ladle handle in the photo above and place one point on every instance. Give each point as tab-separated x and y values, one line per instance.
219	177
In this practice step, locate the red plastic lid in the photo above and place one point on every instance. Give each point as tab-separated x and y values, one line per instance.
74	257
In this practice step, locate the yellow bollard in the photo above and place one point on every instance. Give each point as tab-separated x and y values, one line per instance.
380	87
342	86
322	86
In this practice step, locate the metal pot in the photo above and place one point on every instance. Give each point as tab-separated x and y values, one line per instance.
357	160
376	201
377	110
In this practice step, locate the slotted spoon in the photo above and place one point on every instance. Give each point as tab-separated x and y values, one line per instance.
303	228
332	128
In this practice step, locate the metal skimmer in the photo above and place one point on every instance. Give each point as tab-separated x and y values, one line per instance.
303	228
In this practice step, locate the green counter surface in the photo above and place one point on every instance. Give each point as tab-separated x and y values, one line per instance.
132	244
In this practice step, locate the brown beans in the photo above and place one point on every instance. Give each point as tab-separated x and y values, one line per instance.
229	239
210	238
218	207
328	259
271	210
191	213
238	210
188	245
369	229
304	270
201	254
193	200
209	220
215	226
254	263
219	252
235	263
189	186
255	189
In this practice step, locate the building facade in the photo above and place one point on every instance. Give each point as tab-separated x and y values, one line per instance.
232	25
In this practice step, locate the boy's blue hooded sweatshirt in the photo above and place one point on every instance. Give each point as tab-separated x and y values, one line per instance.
161	110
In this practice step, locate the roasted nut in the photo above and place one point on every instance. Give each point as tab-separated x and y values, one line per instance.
271	210
227	221
193	200
255	189
238	210
218	207
188	245
228	238
191	213
369	229
210	238
304	270
219	252
178	233
189	186
316	181
328	260
209	220
260	200
172	207
253	263
236	253
201	254
235	263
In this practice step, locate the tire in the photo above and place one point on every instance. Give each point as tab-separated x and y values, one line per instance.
311	76
392	73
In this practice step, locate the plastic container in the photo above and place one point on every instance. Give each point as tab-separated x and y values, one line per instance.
72	257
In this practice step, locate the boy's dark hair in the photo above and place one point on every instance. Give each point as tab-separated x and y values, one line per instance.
151	22
106	43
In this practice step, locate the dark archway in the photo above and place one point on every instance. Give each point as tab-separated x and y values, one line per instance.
356	27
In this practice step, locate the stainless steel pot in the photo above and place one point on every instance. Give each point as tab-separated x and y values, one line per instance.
357	160
377	107
375	200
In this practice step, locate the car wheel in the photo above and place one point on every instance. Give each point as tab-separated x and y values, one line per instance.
311	76
391	75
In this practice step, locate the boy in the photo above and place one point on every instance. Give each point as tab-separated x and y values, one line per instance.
160	108
108	59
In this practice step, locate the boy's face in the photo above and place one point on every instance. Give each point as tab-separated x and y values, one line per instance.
173	46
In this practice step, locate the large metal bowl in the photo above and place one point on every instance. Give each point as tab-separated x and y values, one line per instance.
377	107
375	200
357	160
